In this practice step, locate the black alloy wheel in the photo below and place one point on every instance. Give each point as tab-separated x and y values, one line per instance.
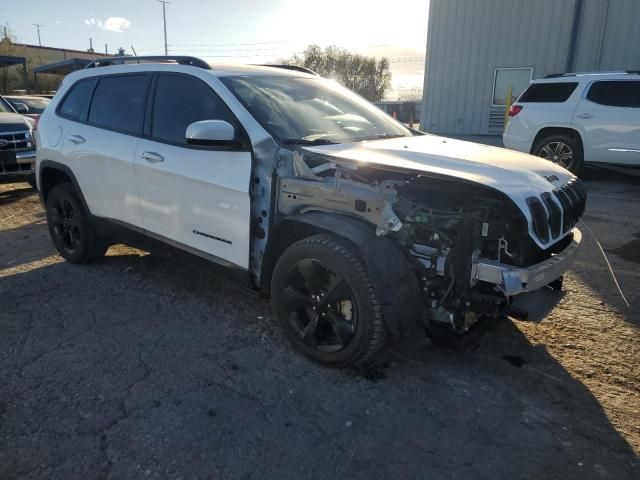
326	302
70	228
65	225
320	306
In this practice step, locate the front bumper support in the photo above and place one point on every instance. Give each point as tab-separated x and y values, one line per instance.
513	280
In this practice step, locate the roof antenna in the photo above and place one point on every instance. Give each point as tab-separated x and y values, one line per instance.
134	52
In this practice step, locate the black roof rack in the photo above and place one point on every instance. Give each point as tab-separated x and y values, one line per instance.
558	75
180	59
296	68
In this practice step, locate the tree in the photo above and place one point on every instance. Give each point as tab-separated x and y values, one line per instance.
364	75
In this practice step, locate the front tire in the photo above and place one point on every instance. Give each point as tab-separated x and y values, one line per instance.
326	304
563	150
70	228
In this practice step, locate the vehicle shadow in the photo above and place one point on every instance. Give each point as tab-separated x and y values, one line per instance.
26	243
603	174
538	305
517	397
612	220
8	195
136	343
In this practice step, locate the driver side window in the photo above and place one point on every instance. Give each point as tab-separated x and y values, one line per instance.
181	100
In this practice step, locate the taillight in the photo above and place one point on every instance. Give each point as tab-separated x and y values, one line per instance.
514	110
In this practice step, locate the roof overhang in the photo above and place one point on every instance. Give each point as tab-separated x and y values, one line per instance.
63	67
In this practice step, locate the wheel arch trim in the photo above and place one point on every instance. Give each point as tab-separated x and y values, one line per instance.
60	167
556	130
394	281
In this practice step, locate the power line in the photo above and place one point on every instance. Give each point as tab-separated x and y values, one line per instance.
226	44
230	51
241	56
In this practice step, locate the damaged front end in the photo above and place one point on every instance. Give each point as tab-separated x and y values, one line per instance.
465	244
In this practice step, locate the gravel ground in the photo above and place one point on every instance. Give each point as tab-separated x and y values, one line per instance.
137	367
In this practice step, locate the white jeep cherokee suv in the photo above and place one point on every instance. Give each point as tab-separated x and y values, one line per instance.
574	118
358	226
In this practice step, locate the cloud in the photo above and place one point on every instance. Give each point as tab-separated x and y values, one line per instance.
116	24
112	24
93	22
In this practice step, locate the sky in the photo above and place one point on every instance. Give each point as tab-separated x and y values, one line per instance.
233	31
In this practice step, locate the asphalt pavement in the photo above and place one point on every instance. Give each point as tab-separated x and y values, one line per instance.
138	367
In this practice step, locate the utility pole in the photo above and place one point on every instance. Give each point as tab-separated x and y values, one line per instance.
38	25
164	21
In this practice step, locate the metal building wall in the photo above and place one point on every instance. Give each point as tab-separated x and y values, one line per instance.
609	37
468	39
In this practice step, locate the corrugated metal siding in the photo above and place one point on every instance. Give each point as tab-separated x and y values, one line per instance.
621	46
593	19
468	40
609	36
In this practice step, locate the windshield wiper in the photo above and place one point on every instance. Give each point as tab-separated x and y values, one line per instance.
379	136
303	141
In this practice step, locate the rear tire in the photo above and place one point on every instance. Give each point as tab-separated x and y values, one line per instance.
326	303
70	228
563	150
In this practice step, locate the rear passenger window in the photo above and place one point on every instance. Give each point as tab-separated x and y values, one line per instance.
74	104
119	103
548	92
181	100
616	93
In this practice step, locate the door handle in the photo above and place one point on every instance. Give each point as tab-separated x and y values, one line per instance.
585	115
76	139
152	157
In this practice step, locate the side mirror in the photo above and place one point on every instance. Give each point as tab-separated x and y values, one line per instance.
21	107
212	133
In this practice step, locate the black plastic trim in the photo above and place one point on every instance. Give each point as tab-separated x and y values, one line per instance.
122	232
540	219
68	172
179	59
391	274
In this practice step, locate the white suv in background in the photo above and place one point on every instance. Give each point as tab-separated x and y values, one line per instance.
577	118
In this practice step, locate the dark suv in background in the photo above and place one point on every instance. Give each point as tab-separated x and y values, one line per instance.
17	146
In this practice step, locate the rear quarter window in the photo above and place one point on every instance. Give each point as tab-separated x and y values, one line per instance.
623	93
75	103
548	92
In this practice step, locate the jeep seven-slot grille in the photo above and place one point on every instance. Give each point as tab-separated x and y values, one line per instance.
18	141
556	214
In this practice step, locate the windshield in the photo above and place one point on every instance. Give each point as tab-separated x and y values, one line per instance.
4	108
35	104
309	110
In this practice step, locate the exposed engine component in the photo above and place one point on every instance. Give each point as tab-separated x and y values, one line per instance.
442	225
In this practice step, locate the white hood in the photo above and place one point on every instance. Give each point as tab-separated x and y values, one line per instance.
516	174
506	170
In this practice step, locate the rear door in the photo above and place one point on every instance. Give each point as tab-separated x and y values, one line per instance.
195	197
100	145
608	118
